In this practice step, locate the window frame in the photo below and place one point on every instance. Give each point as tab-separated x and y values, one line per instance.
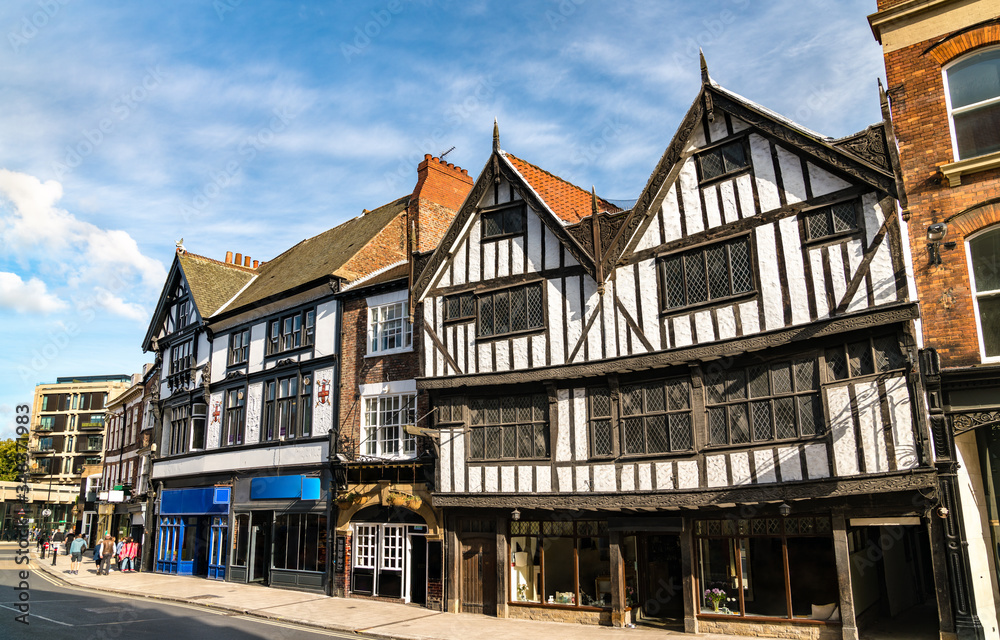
956	155
868	342
180	423
462	298
833	235
501	210
301	332
234	421
239	347
537	427
492	294
984	358
772	397
375	437
703	249
376	335
618	426
742	139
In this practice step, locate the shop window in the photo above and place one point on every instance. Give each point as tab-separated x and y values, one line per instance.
761	403
300	542
724	159
389	328
241	539
712	273
984	256
864	357
974	103
756	567
513	310
385	419
509	427
564	563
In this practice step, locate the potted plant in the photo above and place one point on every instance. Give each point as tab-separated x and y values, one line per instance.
347	499
715	597
400	499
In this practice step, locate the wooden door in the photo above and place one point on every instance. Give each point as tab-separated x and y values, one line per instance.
479	576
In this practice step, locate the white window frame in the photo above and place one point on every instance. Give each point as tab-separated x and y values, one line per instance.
378	431
971	107
365	548
377	307
975	296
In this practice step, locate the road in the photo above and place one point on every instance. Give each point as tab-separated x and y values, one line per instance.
59	612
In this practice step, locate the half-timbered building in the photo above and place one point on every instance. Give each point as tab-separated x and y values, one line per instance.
700	408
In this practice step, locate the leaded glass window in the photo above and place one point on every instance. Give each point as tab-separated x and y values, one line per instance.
712	273
723	159
835	219
602	434
511	311
503	222
459	307
763	402
656	417
864	357
507	427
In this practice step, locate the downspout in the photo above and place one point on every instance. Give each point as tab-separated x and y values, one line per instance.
331	506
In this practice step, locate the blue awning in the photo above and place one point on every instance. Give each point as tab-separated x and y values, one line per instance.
284	488
201	501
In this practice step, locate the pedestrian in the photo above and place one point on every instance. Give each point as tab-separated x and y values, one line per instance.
58	539
107	552
97	555
76	549
118	552
43	542
123	561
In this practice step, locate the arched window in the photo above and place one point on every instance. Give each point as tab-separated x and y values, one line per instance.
973	92
984	258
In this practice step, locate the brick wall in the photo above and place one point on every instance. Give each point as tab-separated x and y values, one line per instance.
920	120
342	578
441	188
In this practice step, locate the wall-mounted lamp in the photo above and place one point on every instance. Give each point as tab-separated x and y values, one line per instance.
515	515
935	238
784	509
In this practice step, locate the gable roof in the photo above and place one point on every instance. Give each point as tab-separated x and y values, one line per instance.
210	282
569	202
318	257
564	207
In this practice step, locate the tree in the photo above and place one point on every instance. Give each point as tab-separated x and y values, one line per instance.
12	454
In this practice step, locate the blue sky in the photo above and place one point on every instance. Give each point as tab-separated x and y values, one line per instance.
248	126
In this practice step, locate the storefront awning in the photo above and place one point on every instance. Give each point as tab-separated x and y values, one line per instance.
284	488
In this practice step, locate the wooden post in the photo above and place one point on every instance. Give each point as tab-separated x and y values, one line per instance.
841	553
692	602
617	580
939	564
453	577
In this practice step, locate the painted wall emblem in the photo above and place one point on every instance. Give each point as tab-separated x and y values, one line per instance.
216	411
324	392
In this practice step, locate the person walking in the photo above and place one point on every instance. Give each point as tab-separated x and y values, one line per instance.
107	552
97	555
57	540
131	554
43	543
76	549
123	562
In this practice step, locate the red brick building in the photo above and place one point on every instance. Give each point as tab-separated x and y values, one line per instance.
942	60
388	534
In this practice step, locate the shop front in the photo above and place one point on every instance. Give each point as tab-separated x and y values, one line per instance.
280	532
192	534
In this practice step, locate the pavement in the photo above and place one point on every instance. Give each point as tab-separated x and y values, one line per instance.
367	618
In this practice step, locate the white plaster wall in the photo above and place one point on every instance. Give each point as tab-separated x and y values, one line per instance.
535	240
763	170
740	465
727	323
579	409
220	356
819	282
475	266
712	212
645	477
901	417
593	302
687	474
574	314
650	302
628	477
492	482
322	412
555	320
728	194
604	478
215	411
763	460
255	360
475	479
688	183
664	472
824	182
750	317
842	429
254	393
326	329
229	459
791	176
543	479
774	314
970	487
744	187
671	215
791	243
790	464
715	468
458	450
870	422
817	461
444	464
565	477
563	452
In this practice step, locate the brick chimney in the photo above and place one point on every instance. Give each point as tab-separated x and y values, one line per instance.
441	189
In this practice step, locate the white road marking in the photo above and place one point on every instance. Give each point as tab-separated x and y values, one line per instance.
32	615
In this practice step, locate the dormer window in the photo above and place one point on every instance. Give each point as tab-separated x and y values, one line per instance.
504	221
974	103
724	159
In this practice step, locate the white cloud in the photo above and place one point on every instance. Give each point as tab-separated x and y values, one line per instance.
66	250
27	297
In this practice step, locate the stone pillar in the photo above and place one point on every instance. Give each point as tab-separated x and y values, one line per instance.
503	567
692	601
618	617
453	557
842	553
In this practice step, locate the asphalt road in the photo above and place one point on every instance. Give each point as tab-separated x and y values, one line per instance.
58	612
